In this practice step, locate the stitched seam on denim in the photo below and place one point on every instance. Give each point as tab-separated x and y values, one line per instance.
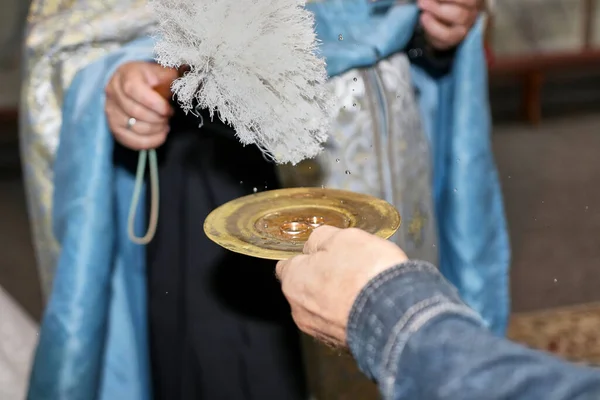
400	326
405	329
382	278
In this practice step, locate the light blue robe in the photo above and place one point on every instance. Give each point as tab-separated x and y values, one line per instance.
94	339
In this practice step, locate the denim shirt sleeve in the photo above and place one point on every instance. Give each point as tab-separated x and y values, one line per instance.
410	332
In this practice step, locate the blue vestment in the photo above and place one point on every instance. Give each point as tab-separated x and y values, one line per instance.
93	339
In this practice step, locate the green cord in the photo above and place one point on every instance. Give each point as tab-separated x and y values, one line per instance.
154	199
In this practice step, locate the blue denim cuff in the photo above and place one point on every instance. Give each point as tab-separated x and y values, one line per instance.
391	308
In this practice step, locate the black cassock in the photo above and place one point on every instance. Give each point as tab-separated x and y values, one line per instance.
220	327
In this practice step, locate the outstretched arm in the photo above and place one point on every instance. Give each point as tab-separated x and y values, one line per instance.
408	329
411	333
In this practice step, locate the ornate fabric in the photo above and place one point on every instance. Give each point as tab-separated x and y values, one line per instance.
63	36
378	147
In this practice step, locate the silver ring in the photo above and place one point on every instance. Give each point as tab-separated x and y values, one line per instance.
131	122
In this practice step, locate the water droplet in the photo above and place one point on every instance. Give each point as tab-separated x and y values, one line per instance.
255	190
265	186
340	37
509	177
353	104
166	292
586	207
458	160
455	190
241	182
348	172
555	280
337	160
355	79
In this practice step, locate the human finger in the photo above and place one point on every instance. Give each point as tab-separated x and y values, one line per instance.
477	4
440	35
139	110
283	267
318	238
131	108
142	89
129	98
117	118
449	13
301	318
134	141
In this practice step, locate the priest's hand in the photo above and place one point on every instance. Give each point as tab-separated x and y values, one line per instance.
138	116
447	22
322	284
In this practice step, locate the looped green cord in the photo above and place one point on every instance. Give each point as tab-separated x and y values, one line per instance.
154	197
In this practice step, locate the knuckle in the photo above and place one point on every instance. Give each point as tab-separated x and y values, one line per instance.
351	232
301	325
128	88
350	235
307	245
135	111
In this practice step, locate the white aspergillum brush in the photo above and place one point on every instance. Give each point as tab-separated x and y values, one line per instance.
252	62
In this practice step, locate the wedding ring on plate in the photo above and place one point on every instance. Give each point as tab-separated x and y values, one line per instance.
275	224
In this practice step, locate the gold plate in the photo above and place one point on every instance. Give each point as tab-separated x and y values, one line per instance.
275	224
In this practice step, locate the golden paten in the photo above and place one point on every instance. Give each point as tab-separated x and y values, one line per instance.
275	224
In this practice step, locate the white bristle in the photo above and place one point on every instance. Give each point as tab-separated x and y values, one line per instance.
254	63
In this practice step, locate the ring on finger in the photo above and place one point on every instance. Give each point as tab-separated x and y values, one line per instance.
131	122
